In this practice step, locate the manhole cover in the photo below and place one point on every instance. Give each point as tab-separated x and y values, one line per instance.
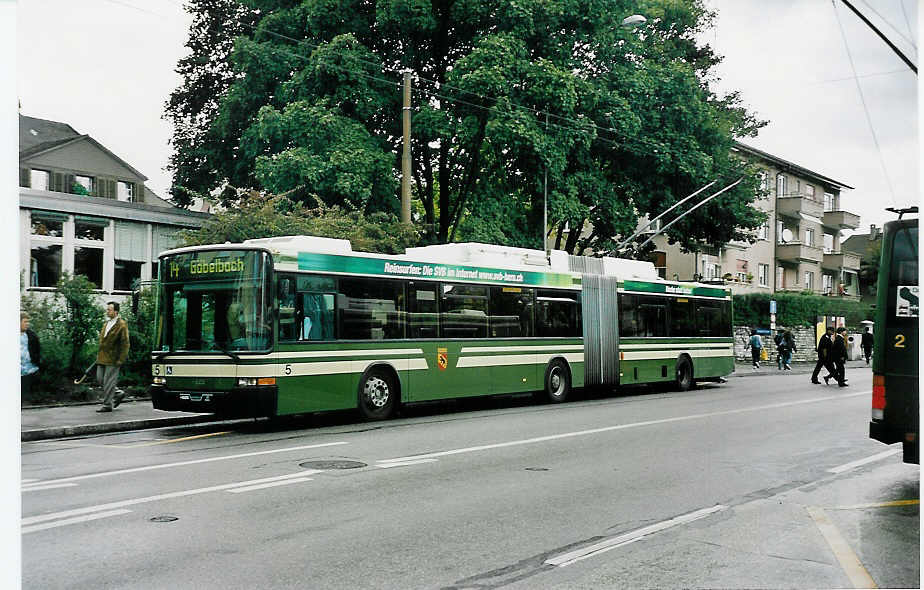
537	469
164	519
332	464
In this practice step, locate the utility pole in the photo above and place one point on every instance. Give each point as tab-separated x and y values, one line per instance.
545	200
406	155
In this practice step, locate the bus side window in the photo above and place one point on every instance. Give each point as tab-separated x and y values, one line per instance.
288	327
316	311
423	311
628	316
652	314
558	314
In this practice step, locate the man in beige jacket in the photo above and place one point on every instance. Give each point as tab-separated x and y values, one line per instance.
113	351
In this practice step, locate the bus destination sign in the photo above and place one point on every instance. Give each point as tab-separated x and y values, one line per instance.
208	265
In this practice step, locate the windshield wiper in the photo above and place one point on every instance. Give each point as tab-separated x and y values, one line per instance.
229	353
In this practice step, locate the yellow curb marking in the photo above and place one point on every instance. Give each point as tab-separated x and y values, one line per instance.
849	561
172	440
878	505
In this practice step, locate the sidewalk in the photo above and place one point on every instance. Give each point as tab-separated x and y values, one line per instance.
40	423
744	369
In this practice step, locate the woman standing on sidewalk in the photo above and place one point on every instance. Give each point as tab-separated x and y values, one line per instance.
756	345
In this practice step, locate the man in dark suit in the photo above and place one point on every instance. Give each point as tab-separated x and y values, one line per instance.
867	344
839	356
824	356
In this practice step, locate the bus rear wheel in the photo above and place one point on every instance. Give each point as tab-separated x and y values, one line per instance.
684	374
377	395
557	382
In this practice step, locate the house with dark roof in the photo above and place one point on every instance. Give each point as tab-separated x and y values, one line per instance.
84	210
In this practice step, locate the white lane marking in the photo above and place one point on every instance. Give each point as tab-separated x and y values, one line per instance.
38	487
25	481
386	464
630	537
191	462
131	502
860	462
539	439
271	484
845	556
66	521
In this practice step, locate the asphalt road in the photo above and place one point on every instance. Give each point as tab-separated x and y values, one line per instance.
764	482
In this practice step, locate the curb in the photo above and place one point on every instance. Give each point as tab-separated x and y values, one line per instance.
62	431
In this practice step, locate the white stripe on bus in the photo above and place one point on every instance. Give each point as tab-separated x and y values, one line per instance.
302	354
579	347
677	346
290	369
670	354
514	359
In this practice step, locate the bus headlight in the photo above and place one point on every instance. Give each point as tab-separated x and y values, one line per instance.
159	381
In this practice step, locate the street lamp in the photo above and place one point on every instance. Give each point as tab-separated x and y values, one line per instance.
630	22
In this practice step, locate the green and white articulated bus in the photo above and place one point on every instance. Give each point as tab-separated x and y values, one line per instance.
303	324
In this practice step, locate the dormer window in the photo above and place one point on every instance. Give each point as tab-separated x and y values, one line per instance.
126	192
83	185
38	179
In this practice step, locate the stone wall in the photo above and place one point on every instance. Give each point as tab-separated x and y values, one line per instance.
805	344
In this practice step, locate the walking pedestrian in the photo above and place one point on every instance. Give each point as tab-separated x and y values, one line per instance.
756	346
839	356
789	347
824	356
867	344
113	351
780	357
30	355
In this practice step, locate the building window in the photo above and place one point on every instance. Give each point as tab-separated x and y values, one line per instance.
126	273
780	278
764	180
798	190
810	191
763	272
781	185
89	229
765	231
126	191
38	179
827	284
779	232
829	202
83	185
809	280
89	263
828	243
809	237
45	265
47	225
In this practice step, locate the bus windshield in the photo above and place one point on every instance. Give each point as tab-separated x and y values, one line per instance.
214	300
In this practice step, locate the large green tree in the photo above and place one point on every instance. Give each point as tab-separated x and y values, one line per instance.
622	122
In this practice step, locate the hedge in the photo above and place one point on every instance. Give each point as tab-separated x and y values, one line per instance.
796	309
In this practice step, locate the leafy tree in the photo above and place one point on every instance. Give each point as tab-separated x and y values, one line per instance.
261	216
623	122
869	268
80	315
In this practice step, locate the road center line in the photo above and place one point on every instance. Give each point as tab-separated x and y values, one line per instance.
630	537
271	484
38	487
539	439
191	462
131	502
861	462
390	463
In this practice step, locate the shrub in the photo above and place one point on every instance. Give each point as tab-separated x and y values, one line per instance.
797	309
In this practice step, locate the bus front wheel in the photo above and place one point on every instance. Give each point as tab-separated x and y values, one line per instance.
684	374
557	382
377	395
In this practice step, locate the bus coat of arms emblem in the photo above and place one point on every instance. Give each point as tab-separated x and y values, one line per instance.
442	358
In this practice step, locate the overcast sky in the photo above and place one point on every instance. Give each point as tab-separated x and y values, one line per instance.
106	68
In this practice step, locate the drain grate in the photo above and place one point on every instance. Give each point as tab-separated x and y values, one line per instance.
164	519
537	469
332	464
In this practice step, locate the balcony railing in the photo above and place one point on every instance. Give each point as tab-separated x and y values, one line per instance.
792	206
839	260
841	220
798	252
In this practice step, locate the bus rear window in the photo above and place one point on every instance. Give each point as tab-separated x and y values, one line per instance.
905	256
